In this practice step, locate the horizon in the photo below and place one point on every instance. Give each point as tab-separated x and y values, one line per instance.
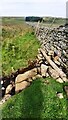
32	16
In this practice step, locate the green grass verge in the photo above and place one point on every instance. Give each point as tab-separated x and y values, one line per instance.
37	101
16	52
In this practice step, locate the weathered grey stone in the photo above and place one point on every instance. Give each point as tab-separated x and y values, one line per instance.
6	97
51	53
56	60
60	95
59	80
56	37
29	80
65	79
43	70
1	82
53	73
20	86
46	63
37	76
47	75
39	57
21	77
8	89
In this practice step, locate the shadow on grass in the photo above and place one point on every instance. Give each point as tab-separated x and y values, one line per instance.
33	101
28	104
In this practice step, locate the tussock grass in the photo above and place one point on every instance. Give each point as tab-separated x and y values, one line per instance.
19	44
16	52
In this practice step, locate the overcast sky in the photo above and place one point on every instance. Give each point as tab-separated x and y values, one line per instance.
55	8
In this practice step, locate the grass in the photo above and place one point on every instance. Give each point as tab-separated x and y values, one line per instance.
37	101
18	51
19	44
13	27
59	21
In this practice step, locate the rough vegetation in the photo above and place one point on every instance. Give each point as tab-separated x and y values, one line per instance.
40	100
17	50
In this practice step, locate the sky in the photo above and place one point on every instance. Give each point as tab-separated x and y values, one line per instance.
54	8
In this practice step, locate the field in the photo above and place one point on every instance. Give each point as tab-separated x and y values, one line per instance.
19	44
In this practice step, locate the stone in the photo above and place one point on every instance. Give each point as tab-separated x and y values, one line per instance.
3	101
57	62
65	79
25	76
46	63
51	53
2	88
37	76
30	80
59	80
56	58
20	86
58	53
53	73
60	95
47	75
54	39
40	61
8	89
6	97
39	58
40	55
43	70
1	82
33	78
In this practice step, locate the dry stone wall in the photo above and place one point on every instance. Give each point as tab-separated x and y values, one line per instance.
55	42
52	60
